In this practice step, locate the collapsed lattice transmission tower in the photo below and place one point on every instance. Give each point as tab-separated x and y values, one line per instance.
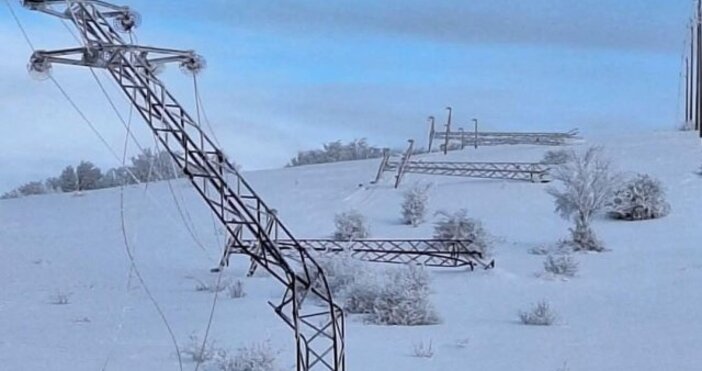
524	171
319	329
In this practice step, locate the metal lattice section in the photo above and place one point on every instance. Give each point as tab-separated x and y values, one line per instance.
319	331
524	171
430	253
476	139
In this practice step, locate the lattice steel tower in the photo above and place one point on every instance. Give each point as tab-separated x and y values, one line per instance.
319	331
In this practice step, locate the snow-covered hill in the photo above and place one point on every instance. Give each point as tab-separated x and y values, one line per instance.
635	307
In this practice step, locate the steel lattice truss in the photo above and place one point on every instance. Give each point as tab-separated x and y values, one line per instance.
525	171
319	330
430	253
467	138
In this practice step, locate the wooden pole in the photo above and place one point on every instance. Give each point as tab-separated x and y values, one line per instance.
448	130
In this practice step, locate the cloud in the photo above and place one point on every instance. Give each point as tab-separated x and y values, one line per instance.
654	26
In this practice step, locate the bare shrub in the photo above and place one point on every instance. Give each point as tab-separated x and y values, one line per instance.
557	157
540	314
587	185
198	352
422	349
61	298
563	265
404	299
641	197
255	357
414	205
236	290
350	225
458	226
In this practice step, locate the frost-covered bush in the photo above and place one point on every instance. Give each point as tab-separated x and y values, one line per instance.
540	314
197	352
423	350
236	290
350	225
389	296
340	271
587	185
641	197
359	296
557	157
563	265
210	287
255	357
404	299
61	298
414	205
458	226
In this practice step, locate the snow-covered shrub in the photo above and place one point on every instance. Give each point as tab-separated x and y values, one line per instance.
404	299
197	352
563	265
350	225
557	157
255	357
458	226
236	290
587	185
389	296
540	314
641	197
414	205
360	295
341	271
422	349
211	287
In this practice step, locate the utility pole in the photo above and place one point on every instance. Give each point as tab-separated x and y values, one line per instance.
687	90
448	130
431	132
698	69
475	125
690	114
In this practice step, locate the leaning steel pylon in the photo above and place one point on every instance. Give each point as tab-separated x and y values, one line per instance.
319	331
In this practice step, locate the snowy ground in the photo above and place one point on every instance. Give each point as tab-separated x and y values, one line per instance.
634	308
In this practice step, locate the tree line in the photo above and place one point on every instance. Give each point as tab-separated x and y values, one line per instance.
146	166
357	149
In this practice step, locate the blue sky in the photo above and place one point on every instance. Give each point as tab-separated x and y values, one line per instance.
288	75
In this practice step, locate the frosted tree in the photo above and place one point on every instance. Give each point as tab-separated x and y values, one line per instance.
414	205
68	179
88	176
641	197
350	225
587	184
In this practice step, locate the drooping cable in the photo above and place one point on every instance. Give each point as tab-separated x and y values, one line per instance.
111	150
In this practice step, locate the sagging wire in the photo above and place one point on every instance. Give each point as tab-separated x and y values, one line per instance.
111	150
